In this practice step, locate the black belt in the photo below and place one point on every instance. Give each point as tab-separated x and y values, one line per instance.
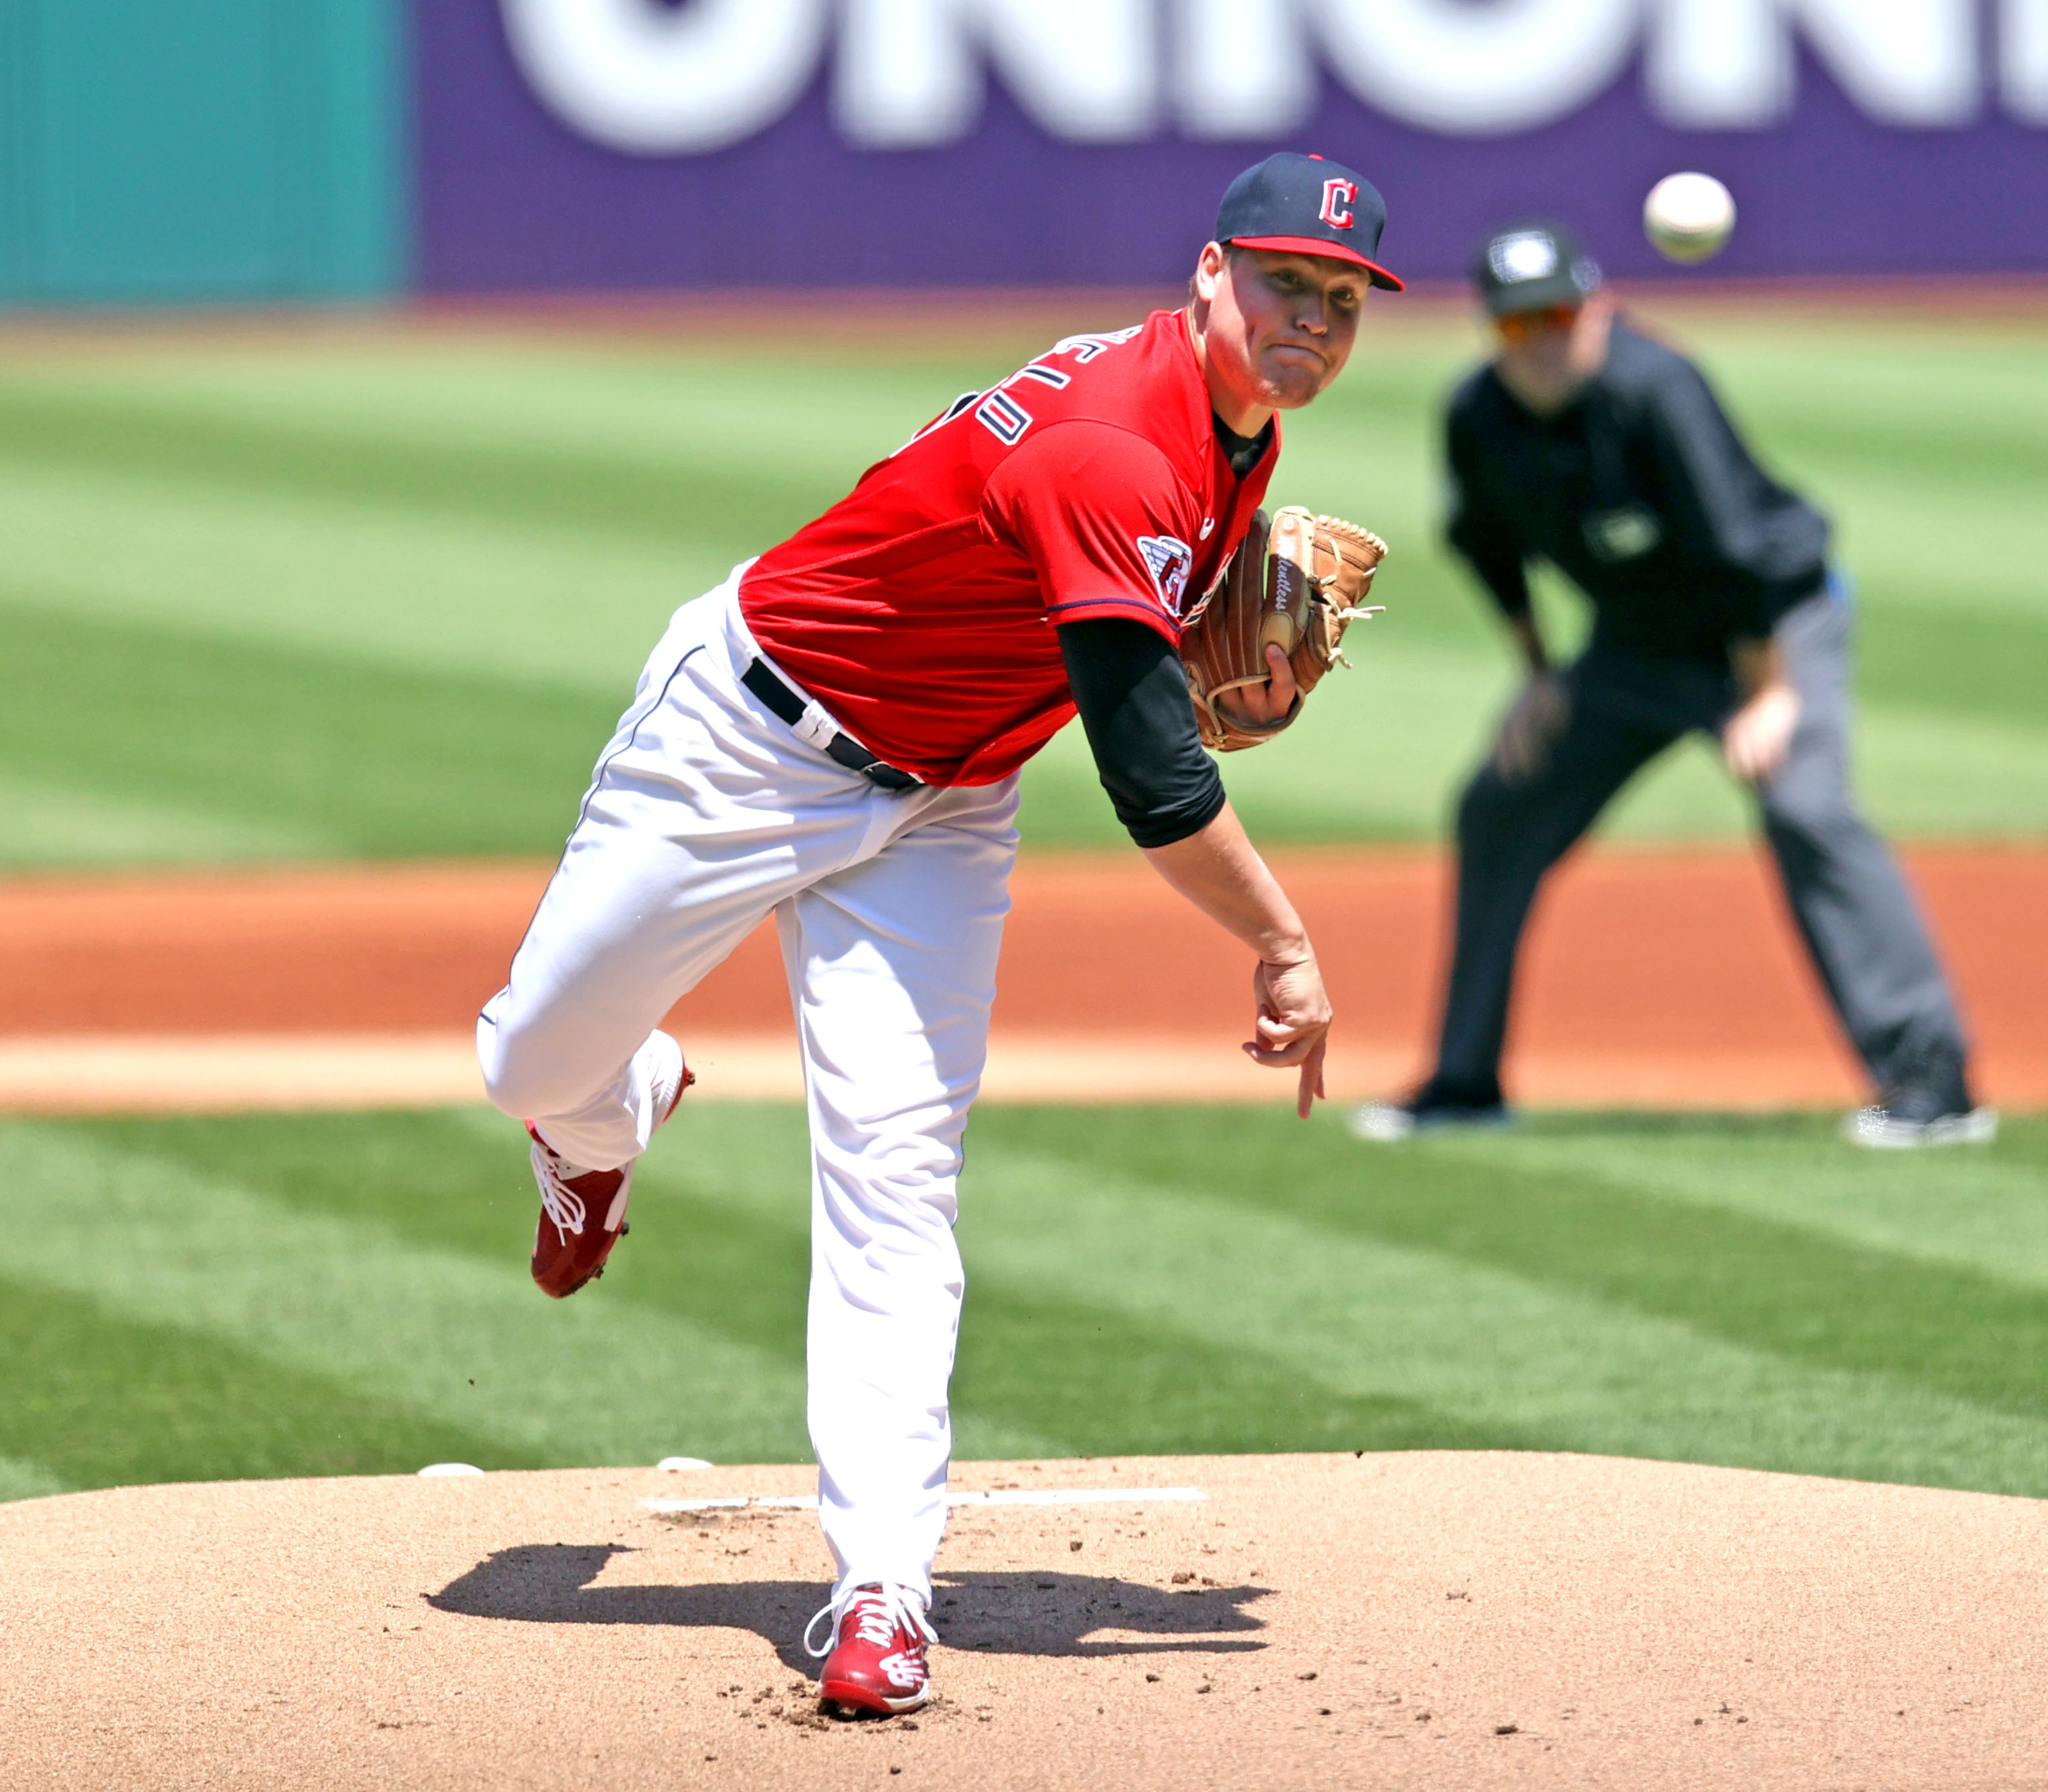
760	678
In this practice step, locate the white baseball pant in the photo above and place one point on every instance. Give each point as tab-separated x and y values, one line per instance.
706	812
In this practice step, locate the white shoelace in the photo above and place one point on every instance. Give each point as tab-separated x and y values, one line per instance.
876	1617
561	1204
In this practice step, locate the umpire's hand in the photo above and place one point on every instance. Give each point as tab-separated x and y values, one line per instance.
1536	718
1758	737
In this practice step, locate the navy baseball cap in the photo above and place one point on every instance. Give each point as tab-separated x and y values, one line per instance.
1306	206
1532	266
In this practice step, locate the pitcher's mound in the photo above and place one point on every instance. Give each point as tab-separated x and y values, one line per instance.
1431	1620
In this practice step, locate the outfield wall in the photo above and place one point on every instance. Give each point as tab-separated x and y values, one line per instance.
630	143
212	149
270	149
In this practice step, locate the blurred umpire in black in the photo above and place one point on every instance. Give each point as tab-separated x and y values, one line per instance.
1592	447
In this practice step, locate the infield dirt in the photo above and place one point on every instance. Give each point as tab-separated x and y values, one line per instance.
1426	1620
1653	979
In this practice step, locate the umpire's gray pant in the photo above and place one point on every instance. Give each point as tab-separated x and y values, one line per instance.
1853	909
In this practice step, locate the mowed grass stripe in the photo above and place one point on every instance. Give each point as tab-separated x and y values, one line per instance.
722	1225
308	752
720	1239
448	594
1943	395
103	1400
1987	1214
502	515
1955	666
673	410
1498	1354
1158	1278
463	1342
1756	1280
57	821
705	499
1165	1217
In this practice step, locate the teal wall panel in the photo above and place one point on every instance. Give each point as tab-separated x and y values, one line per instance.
206	150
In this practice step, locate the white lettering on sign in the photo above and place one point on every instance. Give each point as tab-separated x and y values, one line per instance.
656	80
669	77
1242	68
1477	71
2023	59
1728	64
909	72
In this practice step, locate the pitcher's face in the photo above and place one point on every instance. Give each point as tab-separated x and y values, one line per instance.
1280	326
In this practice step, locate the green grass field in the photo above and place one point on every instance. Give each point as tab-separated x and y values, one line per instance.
368	594
378	594
272	1296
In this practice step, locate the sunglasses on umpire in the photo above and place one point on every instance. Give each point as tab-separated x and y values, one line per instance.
1519	326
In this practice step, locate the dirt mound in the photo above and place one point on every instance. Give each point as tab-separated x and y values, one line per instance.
1420	1620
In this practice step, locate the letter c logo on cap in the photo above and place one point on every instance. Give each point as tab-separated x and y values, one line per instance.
1338	197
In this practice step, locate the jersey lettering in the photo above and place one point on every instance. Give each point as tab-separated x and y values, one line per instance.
1085	348
945	416
1003	417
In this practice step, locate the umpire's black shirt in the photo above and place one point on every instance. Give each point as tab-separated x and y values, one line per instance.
1640	490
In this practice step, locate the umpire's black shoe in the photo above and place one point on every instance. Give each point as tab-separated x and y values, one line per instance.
1929	1104
1437	1107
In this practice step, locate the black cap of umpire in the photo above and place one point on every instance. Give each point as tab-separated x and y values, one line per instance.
1533	266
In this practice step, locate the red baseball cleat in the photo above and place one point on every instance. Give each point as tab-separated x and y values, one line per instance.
583	1215
876	1660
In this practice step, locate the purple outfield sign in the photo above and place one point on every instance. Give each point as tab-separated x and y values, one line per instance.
567	144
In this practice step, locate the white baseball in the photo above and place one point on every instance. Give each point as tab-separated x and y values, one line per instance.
1689	217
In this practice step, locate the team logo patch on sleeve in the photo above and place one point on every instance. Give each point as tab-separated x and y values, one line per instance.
1171	560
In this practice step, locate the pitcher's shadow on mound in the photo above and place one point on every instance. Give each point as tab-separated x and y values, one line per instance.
1016	1614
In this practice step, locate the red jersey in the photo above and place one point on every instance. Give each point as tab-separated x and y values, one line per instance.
920	610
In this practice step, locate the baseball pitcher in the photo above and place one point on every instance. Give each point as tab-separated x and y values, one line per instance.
834	735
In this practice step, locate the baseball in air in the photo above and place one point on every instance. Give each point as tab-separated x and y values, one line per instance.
1689	217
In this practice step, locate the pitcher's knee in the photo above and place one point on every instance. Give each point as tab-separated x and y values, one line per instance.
520	1078
502	1084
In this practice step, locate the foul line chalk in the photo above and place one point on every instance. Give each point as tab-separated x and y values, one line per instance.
999	1496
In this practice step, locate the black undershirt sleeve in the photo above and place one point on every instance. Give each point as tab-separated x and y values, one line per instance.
1133	698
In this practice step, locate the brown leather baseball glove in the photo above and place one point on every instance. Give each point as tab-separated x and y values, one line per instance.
1295	581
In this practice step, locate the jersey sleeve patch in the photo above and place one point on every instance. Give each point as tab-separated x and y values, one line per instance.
1171	560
